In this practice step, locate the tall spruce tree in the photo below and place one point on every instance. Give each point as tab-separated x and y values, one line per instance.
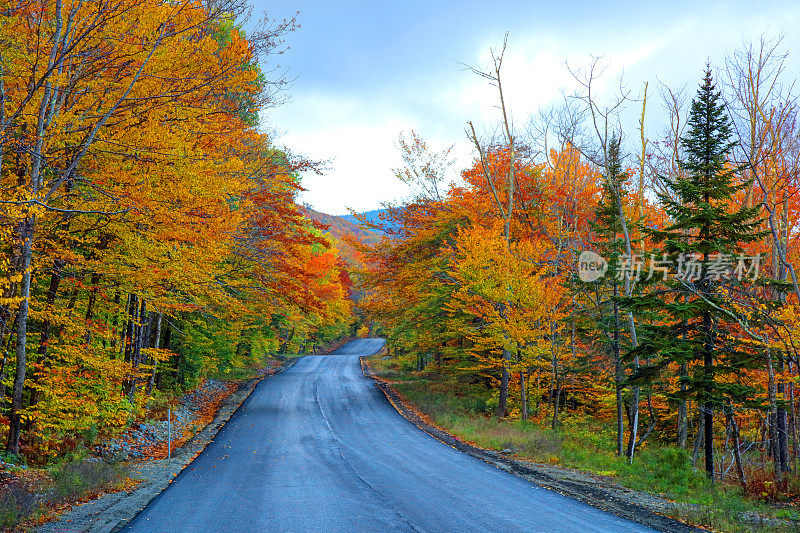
606	317
686	316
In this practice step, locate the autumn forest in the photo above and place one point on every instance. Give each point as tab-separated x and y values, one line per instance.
638	290
150	229
578	278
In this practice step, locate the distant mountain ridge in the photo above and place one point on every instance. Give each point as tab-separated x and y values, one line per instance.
373	217
340	227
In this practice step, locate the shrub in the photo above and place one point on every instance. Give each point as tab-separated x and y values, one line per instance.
17	502
73	480
671	470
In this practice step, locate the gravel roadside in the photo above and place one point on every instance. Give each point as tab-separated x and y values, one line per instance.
112	511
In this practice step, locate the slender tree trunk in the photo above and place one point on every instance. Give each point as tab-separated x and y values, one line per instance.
698	437
556	376
708	439
683	375
95	281
556	404
287	341
73	298
792	420
708	391
505	212
133	307
502	404
781	429
736	454
15	417
155	361
781	423
773	419
618	377
115	320
683	418
44	337
146	332
523	395
26	234
6	329
140	316
634	404
634	429
620	420
4	370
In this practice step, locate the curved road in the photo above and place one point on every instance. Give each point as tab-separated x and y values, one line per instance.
319	448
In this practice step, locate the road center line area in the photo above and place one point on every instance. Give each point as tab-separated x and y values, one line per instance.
319	448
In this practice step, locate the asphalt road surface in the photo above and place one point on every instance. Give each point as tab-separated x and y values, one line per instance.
319	448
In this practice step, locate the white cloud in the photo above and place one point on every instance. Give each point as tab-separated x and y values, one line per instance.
359	170
357	127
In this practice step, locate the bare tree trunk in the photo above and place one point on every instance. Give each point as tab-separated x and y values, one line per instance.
286	342
601	125
52	291
523	395
73	298
736	454
26	234
5	319
505	211
708	386
708	440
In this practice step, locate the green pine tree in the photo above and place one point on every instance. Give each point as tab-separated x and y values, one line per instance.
685	318
608	291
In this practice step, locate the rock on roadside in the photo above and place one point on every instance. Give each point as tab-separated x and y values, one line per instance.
134	443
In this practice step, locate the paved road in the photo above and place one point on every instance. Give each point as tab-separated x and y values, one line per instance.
318	448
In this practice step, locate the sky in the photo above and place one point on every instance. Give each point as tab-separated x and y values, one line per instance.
364	71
